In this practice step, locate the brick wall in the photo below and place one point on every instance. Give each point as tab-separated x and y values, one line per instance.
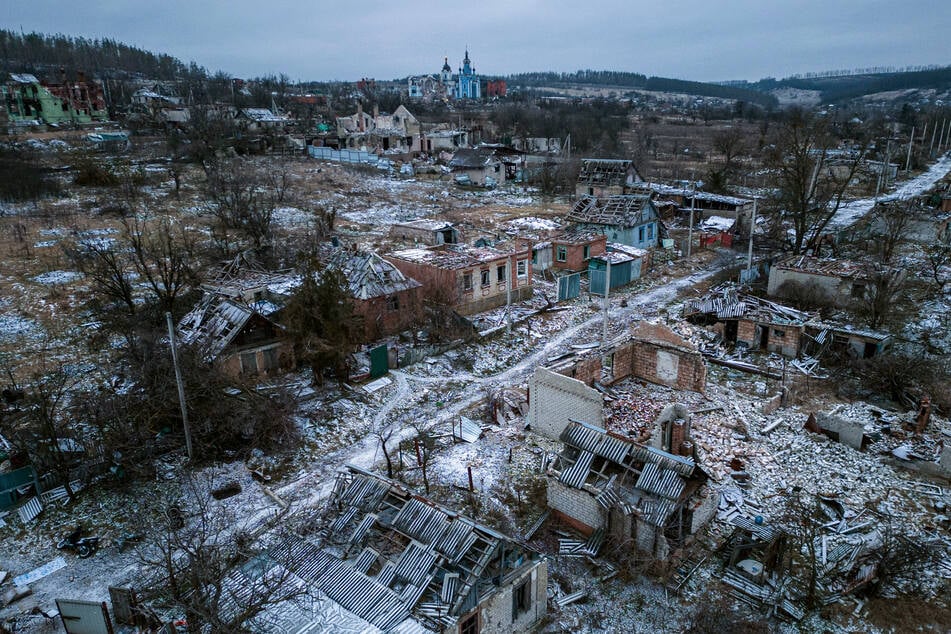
495	614
554	399
577	505
746	333
623	362
669	366
380	320
787	344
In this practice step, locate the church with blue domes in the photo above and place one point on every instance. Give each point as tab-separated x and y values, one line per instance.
468	84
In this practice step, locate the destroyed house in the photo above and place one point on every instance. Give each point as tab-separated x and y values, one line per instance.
705	204
234	334
27	101
858	343
387	560
471	279
398	132
477	166
630	220
605	483
245	280
257	119
606	177
835	281
425	231
386	300
573	250
749	321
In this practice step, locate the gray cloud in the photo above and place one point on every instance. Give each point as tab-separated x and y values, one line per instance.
306	39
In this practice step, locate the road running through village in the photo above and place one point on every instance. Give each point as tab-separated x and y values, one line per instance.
366	452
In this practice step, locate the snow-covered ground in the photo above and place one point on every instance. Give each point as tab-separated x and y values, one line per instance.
852	211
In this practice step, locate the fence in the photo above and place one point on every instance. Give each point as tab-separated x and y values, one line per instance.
341	156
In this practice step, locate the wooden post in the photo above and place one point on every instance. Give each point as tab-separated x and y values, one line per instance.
510	279
471	484
181	386
911	139
749	257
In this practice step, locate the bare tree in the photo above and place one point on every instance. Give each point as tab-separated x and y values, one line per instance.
47	431
939	265
731	144
163	253
244	197
810	190
203	561
106	270
884	287
890	222
802	521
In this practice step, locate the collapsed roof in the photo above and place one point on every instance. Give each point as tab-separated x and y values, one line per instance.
398	561
368	275
638	479
627	210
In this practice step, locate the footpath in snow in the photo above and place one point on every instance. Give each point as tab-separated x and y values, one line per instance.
850	212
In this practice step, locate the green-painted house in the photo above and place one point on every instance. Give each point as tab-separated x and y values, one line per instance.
27	101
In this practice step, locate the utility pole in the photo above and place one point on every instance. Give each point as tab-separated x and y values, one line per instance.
887	165
908	158
749	255
607	303
934	130
181	386
508	295
693	199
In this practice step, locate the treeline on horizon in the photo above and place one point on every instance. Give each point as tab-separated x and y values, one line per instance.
39	53
44	54
839	86
638	80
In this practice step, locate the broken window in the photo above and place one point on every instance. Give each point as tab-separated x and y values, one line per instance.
485	277
521	268
467	281
271	361
779	334
393	302
500	274
470	625
521	599
562	255
640	234
587	251
249	362
650	232
858	290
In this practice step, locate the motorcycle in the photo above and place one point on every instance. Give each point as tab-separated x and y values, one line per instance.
82	546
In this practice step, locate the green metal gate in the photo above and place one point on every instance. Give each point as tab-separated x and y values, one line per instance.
569	286
379	361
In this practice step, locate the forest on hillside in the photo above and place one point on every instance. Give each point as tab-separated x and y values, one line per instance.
41	54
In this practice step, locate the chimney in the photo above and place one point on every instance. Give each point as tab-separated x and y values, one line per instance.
686	449
924	414
360	117
678	435
376	111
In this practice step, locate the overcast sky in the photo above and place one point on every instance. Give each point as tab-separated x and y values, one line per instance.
703	40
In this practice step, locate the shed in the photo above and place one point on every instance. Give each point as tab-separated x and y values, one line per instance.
627	264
